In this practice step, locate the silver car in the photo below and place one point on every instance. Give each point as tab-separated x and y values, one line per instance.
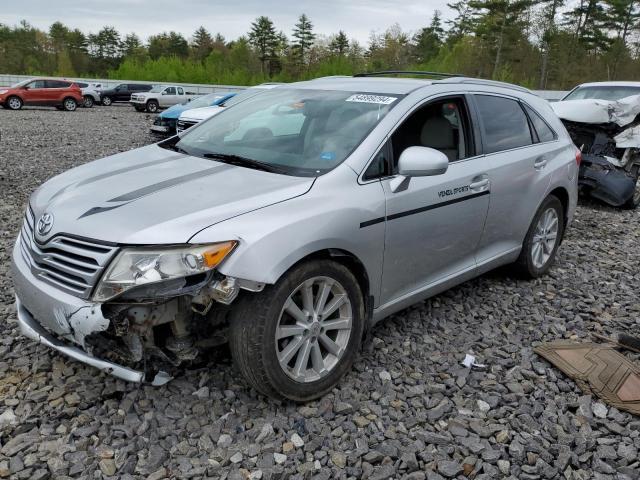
291	223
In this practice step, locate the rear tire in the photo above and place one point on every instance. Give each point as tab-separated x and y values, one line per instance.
69	104
152	106
321	348
87	101
106	101
14	103
542	240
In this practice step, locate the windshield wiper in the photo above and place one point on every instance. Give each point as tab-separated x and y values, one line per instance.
174	147
244	162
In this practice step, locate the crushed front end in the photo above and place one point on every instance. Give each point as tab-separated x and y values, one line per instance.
139	333
608	135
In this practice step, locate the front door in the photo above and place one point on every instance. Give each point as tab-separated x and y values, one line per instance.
35	93
433	227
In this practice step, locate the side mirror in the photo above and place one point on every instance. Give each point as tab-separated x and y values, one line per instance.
418	162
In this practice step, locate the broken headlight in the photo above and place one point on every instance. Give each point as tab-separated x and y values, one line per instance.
141	266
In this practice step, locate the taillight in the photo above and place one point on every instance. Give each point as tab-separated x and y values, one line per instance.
578	156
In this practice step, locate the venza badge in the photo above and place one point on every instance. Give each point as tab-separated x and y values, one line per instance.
45	223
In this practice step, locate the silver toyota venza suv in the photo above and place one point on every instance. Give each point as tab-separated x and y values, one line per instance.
291	223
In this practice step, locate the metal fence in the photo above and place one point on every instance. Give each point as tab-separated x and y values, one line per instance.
7	80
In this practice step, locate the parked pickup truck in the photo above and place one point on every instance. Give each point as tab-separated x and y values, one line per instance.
161	96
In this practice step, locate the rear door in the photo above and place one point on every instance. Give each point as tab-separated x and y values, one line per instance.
55	91
434	226
517	165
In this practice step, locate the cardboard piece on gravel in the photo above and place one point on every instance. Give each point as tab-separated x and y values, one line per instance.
599	370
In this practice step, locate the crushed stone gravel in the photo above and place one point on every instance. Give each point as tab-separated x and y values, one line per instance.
409	409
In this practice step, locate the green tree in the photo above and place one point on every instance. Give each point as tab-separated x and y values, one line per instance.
339	44
264	40
304	37
430	39
202	43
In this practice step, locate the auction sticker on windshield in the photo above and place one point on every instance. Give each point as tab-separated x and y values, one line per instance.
378	99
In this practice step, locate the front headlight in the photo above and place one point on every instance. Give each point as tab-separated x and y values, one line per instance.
140	266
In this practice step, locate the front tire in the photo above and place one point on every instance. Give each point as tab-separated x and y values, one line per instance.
106	101
69	104
87	101
543	239
14	103
297	338
152	106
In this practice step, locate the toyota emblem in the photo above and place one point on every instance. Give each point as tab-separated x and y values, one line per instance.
45	223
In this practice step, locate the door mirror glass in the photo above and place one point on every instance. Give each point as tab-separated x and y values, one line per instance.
422	162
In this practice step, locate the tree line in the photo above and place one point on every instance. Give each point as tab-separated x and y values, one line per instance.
546	44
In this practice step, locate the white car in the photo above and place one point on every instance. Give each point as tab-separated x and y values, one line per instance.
192	117
90	93
161	96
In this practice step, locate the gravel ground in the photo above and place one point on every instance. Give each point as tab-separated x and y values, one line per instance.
407	410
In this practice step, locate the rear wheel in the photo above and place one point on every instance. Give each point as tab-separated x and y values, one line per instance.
106	101
542	240
152	106
297	338
14	103
87	101
69	104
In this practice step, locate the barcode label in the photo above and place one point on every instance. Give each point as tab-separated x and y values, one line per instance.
364	98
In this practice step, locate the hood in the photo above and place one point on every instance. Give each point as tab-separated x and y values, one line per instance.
622	112
156	196
174	111
199	114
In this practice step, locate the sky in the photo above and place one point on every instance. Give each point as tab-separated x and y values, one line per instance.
358	18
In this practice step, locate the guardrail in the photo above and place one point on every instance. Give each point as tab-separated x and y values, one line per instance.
7	80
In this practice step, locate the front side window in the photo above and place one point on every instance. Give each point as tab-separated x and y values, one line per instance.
504	122
293	131
170	91
37	84
441	125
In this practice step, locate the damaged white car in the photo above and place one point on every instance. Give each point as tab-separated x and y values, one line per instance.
602	119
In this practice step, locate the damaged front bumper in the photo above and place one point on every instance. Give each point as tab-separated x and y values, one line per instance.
61	321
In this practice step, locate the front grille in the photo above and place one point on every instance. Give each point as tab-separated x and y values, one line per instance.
70	264
184	124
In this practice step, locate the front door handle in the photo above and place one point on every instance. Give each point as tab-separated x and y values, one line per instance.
540	163
479	182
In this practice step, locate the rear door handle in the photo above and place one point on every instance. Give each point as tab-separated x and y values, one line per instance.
480	182
540	163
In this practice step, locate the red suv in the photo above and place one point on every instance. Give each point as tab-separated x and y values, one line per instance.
62	94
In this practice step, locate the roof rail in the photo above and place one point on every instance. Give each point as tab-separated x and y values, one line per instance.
408	72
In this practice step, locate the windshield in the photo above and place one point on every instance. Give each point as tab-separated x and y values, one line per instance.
157	88
297	132
203	101
22	83
603	93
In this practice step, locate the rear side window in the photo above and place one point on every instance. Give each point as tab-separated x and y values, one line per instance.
504	123
82	84
180	91
545	134
57	84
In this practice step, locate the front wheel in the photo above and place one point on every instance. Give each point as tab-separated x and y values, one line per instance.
152	106
14	103
69	104
106	101
87	101
297	338
542	240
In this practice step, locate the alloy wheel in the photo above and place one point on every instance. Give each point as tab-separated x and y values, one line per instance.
545	238
313	330
70	105
15	103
